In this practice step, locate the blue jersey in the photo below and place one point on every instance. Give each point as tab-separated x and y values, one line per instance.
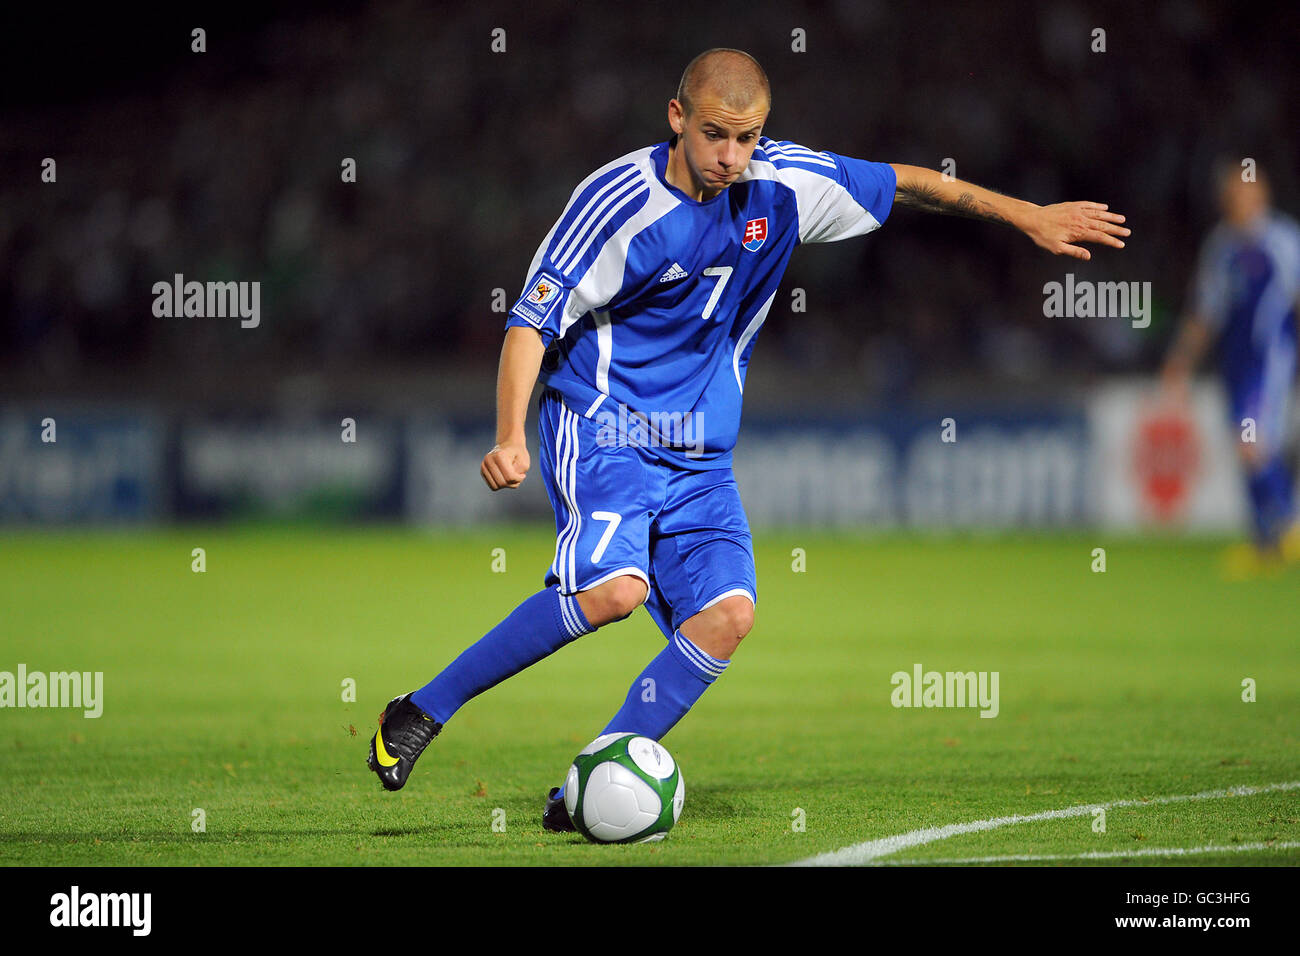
1246	286
649	301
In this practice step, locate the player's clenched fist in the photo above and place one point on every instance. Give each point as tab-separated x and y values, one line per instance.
505	465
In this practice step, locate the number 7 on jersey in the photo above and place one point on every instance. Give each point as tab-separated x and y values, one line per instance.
723	273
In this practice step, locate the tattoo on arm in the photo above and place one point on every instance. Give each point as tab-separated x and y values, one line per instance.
927	199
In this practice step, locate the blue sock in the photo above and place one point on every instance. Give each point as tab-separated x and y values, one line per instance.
1271	504
535	629
666	690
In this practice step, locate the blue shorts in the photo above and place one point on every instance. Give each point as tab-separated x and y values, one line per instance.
620	510
1263	393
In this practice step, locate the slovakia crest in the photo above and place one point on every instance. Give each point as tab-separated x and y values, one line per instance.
755	233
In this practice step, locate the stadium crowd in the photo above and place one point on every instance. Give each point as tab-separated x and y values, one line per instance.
226	166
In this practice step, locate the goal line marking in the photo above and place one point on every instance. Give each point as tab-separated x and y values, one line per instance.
862	853
1096	854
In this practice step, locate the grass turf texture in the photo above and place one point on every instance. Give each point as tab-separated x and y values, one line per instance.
222	691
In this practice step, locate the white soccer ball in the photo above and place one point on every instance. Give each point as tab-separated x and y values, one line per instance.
623	788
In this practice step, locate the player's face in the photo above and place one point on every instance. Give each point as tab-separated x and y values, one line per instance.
1242	202
715	142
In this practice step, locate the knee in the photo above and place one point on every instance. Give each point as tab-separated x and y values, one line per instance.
613	600
734	617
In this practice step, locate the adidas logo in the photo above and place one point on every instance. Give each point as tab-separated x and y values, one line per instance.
676	272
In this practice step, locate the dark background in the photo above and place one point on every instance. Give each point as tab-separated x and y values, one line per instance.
225	165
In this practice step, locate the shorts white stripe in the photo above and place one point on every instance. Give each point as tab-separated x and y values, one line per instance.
630	570
565	482
734	592
556	565
573	496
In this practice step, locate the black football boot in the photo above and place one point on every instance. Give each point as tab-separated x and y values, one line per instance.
404	731
556	815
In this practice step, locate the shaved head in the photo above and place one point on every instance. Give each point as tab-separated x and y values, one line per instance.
717	117
1240	200
733	76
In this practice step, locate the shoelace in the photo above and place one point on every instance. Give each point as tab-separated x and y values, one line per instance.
412	737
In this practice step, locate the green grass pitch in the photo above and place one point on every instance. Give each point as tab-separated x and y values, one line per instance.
223	691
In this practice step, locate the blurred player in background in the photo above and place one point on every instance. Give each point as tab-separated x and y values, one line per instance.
1244	301
641	308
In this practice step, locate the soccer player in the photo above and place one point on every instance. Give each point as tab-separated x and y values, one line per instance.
640	312
1246	294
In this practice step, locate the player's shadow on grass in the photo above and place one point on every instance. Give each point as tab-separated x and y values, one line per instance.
712	802
63	838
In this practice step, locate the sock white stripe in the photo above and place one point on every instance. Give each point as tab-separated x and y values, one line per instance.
570	625
709	665
575	615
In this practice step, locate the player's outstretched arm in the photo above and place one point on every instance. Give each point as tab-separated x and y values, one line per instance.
1055	228
506	465
1190	345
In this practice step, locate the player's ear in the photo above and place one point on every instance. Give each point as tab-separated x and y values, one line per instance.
676	116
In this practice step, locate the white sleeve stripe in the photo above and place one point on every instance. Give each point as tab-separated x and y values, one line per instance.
577	254
603	279
790	161
582	221
1285	253
827	211
759	168
790	149
634	159
799	154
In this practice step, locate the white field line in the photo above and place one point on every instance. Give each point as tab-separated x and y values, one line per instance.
1095	854
863	853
